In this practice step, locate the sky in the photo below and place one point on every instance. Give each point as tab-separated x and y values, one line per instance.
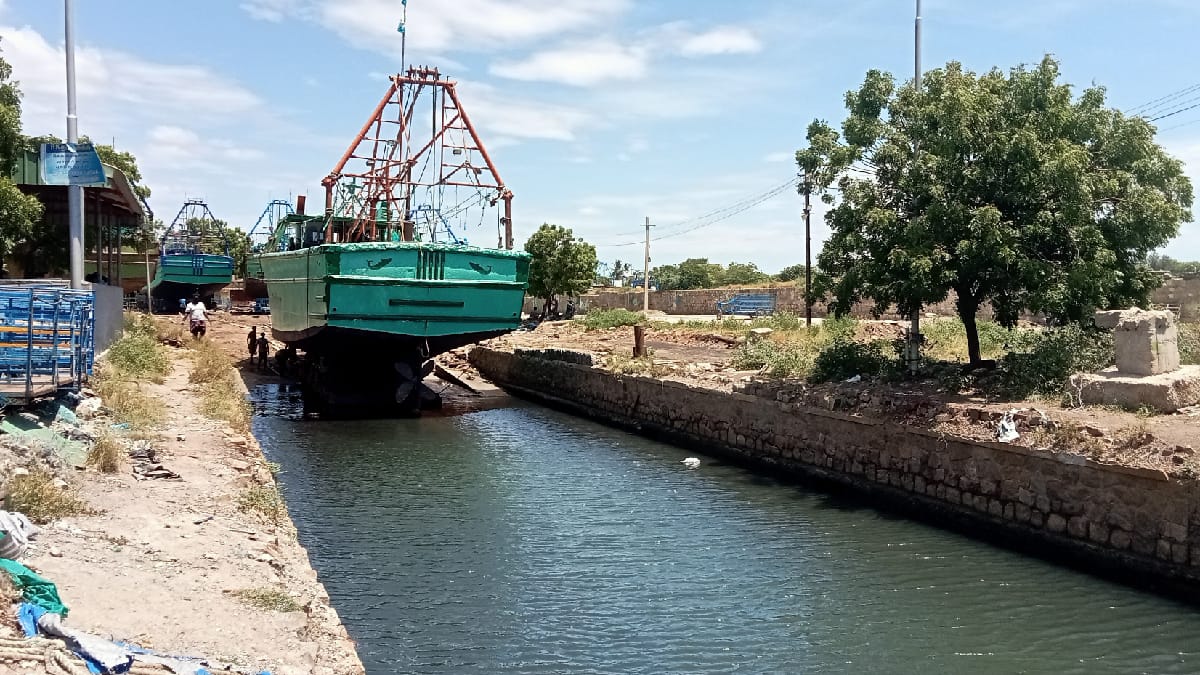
598	113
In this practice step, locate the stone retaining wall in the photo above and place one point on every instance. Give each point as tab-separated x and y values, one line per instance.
1115	518
1181	293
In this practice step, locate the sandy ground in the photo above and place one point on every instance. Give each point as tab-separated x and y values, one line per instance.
158	565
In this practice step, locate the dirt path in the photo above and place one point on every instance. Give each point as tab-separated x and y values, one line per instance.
159	566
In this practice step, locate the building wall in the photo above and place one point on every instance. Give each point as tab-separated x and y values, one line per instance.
1135	521
110	315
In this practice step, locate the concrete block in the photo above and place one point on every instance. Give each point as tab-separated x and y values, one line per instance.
1147	342
1165	392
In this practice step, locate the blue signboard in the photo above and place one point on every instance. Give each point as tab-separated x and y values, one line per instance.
71	164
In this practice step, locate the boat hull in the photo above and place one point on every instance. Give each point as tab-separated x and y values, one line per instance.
182	276
416	296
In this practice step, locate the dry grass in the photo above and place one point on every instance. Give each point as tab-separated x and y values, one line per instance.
263	501
128	402
36	495
1068	437
624	365
222	395
267	599
107	454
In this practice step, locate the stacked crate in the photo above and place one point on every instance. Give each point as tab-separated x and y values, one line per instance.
47	338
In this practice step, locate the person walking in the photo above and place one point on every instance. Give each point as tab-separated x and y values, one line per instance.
252	343
196	315
264	348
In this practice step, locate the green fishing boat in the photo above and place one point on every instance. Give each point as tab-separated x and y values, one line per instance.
191	262
385	279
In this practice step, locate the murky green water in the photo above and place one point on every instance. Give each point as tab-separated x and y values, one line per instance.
523	540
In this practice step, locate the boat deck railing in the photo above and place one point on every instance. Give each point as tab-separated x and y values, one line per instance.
47	339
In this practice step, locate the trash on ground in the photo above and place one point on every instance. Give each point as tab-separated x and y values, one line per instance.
16	532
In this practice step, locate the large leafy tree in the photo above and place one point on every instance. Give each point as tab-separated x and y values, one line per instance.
791	273
18	211
562	263
1001	187
744	273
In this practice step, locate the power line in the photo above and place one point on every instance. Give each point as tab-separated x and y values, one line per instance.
718	215
1175	112
1145	108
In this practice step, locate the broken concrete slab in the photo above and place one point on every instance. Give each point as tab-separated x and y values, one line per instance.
1165	392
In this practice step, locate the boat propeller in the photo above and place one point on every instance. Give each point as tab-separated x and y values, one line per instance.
410	381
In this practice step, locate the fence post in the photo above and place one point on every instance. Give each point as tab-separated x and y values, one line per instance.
639	341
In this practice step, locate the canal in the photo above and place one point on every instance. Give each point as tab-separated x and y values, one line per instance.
523	540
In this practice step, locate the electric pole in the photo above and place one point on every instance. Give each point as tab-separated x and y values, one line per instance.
914	330
74	192
807	251
646	277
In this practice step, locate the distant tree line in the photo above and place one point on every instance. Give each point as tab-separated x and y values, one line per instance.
1166	263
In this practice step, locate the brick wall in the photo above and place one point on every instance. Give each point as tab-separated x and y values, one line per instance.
1136	521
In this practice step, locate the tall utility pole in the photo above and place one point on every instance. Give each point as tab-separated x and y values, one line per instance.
74	192
807	250
914	331
646	276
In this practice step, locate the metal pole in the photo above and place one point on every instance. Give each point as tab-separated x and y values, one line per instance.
807	253
74	192
914	331
646	276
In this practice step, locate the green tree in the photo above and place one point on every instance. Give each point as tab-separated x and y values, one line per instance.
18	211
699	273
1166	263
562	264
1017	194
744	273
791	273
666	277
239	249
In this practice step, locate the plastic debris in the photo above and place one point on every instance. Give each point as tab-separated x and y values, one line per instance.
17	531
1006	429
691	462
854	380
34	589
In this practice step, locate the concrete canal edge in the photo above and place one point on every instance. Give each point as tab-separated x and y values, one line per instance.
337	653
1137	525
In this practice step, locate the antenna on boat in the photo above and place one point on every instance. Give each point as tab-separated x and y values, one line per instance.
403	30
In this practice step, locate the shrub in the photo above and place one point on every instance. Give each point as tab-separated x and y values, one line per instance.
843	359
106	454
1051	357
1189	343
602	319
778	359
36	495
137	354
128	403
264	501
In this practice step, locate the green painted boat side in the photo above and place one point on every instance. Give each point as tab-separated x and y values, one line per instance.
192	269
408	289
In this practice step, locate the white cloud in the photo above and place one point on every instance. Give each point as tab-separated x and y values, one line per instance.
582	65
500	114
190	127
272	10
721	40
779	157
112	83
440	27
